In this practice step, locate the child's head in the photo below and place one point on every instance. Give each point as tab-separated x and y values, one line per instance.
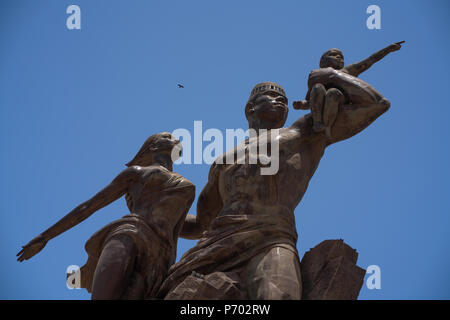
157	144
332	58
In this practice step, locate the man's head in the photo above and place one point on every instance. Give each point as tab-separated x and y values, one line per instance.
163	143
332	58
267	106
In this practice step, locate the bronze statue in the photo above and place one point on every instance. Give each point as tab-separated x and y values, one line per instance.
129	258
335	84
245	221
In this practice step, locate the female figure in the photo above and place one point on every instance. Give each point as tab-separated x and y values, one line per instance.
130	257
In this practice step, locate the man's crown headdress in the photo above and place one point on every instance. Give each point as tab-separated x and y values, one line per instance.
266	86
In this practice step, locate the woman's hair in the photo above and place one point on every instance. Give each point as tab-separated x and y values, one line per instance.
149	146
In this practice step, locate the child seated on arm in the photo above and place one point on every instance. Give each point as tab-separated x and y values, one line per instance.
341	85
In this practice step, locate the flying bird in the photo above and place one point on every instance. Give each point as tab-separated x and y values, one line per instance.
180	86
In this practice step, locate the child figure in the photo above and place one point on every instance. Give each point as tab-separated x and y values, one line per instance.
334	84
129	258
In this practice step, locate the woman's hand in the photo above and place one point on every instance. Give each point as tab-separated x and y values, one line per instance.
31	248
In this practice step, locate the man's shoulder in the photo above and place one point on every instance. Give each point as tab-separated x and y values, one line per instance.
302	126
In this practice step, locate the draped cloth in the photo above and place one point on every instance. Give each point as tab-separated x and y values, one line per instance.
155	255
231	241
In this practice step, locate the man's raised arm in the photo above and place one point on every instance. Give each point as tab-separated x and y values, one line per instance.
353	118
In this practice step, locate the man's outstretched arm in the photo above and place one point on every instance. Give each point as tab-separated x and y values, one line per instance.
356	69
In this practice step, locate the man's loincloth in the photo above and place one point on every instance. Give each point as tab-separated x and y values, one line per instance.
230	242
154	255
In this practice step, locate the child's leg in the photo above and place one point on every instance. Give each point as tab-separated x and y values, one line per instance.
114	269
333	99
316	102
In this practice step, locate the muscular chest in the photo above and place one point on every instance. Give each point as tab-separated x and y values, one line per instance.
292	163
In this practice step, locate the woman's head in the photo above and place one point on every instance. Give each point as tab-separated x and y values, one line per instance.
159	144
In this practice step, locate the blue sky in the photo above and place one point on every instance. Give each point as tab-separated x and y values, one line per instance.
76	105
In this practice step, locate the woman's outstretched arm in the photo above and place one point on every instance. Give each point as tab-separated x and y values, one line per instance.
117	188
